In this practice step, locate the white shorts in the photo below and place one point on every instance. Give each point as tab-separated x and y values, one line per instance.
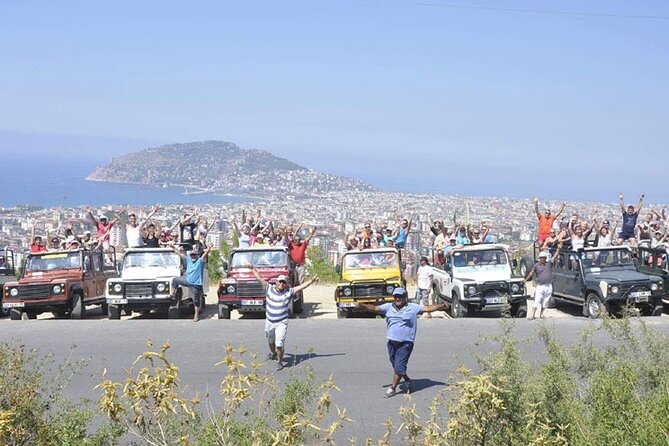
276	332
542	294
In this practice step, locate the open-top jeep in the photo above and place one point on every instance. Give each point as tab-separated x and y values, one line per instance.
605	280
145	284
480	278
241	291
7	272
62	282
367	276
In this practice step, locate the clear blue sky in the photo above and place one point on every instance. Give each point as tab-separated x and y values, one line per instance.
456	99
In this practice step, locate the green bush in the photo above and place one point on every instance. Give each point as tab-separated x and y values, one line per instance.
320	265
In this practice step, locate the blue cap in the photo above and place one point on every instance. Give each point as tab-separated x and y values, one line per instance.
399	291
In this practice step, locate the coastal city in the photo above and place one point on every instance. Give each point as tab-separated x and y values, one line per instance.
335	216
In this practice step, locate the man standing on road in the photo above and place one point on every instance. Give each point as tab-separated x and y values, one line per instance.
195	265
425	276
543	270
278	298
298	252
401	321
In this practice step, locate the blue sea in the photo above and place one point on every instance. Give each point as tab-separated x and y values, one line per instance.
53	180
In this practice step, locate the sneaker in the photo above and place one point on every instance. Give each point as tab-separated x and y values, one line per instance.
390	392
542	317
279	366
196	318
531	318
271	356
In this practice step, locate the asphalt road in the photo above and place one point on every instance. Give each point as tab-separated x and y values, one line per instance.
353	350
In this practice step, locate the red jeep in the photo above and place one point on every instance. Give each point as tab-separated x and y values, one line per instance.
241	291
62	282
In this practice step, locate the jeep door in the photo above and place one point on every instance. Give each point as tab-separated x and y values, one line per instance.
89	283
567	280
99	274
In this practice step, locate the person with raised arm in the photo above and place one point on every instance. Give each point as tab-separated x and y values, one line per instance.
298	253
278	298
546	219
194	280
103	227
630	216
543	270
133	230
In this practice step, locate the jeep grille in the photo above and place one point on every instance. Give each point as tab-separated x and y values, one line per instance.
34	291
369	290
138	290
627	289
500	287
250	289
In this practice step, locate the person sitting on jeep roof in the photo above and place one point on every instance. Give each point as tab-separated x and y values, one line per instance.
104	228
37	246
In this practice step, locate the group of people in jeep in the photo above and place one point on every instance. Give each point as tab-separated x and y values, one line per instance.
379	235
577	232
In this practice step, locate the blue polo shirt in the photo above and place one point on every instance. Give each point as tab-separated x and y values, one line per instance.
194	271
401	323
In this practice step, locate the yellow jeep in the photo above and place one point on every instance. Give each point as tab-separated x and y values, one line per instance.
367	276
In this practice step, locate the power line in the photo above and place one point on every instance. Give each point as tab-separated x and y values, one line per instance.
520	10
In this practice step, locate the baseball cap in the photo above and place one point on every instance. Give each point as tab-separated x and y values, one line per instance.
102	216
87	232
282	278
399	292
543	254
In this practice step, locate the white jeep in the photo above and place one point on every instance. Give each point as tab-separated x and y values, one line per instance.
480	278
145	284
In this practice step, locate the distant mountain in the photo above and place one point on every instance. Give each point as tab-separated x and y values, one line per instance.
218	166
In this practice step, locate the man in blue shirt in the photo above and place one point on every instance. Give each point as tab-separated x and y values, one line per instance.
195	265
401	320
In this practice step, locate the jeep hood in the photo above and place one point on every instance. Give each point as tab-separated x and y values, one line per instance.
621	276
150	273
362	274
482	276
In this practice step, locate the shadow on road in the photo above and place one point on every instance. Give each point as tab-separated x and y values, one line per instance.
418	384
294	359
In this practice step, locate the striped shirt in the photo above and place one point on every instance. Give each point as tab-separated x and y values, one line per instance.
277	304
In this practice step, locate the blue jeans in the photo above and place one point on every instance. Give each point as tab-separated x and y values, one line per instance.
196	291
399	353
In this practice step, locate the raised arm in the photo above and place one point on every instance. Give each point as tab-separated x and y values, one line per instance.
557	253
257	275
211	225
536	207
564	205
148	217
410	223
622	202
369	308
206	252
178	251
311	234
436	307
92	217
306	284
638	209
299	227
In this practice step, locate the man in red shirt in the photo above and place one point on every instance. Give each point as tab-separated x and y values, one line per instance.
103	228
37	245
298	252
546	219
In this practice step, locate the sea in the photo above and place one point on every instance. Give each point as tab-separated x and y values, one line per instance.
53	181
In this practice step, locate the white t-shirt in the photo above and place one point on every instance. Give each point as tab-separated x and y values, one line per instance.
424	277
134	236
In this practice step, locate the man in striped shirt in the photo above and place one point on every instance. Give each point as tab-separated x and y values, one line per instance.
278	298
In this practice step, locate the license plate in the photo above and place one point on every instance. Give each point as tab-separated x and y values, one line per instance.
13	304
496	300
640	294
641	299
252	302
118	301
348	304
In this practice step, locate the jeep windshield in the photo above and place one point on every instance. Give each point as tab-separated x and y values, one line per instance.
371	259
594	261
152	259
483	260
48	262
260	259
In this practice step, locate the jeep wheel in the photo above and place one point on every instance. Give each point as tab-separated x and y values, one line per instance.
174	311
457	308
298	305
343	313
15	314
78	308
59	314
114	312
26	315
224	311
657	310
519	310
104	307
594	307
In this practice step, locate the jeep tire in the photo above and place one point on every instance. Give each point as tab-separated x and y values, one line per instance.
343	313
15	314
174	311
458	309
114	312
519	310
224	311
78	309
104	307
594	308
298	305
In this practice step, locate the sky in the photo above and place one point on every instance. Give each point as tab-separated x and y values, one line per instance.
563	99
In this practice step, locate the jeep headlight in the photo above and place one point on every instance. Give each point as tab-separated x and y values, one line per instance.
471	290
614	290
56	289
390	289
348	291
515	288
230	289
117	288
14	292
654	287
161	287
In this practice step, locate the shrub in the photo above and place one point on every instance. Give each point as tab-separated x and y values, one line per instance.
319	265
